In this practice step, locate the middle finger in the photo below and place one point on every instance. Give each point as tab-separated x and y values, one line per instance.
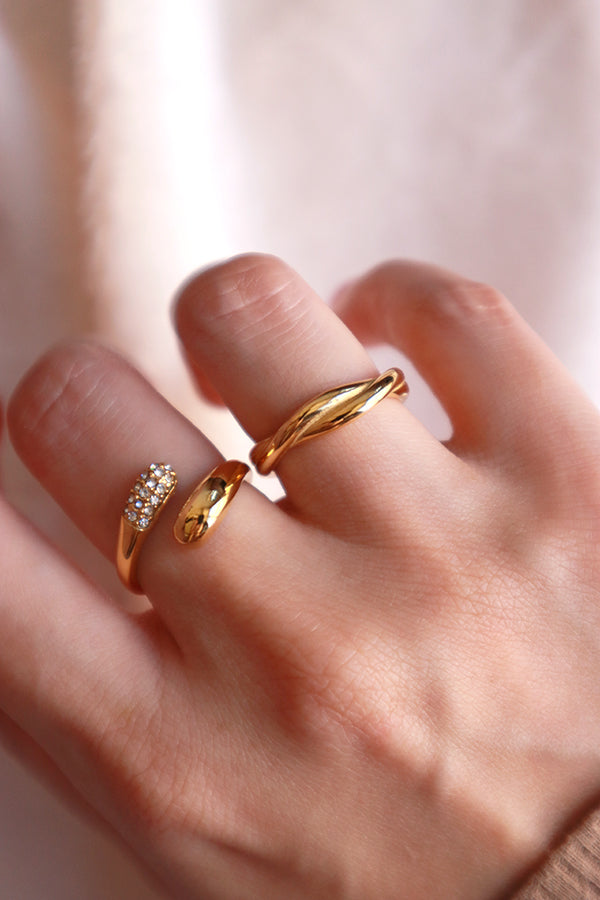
268	344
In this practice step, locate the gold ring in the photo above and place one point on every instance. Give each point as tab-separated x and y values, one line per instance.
208	501
326	412
145	503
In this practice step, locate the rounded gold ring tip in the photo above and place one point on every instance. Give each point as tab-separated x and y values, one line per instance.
208	501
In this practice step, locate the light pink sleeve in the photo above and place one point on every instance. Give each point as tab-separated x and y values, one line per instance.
572	870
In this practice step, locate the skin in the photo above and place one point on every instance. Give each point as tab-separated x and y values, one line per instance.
383	687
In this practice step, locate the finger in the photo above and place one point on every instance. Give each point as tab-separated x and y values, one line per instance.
102	702
269	344
203	383
492	373
86	423
65	668
36	760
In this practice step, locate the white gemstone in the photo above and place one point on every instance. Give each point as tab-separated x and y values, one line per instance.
144	492
151	482
138	504
131	515
161	489
169	479
155	500
148	510
144	476
131	498
159	472
168	468
143	522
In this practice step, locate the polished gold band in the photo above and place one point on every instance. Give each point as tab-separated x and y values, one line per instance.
329	410
145	503
208	501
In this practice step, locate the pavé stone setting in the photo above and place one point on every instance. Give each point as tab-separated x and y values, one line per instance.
152	489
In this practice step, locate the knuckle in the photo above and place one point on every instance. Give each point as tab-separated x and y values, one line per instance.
429	293
49	402
246	291
462	300
133	756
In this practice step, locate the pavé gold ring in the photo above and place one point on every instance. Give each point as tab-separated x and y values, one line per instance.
325	412
146	501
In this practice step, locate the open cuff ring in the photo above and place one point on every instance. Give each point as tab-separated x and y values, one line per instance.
199	514
325	412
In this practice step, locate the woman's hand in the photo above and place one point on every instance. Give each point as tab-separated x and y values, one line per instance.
384	686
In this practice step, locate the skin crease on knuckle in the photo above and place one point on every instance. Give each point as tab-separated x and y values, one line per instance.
253	299
71	378
454	304
243	296
470	300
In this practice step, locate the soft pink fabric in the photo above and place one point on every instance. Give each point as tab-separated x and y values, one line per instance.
572	871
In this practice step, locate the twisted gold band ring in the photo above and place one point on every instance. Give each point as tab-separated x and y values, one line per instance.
325	412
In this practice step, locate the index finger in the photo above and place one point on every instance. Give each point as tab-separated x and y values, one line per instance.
87	424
